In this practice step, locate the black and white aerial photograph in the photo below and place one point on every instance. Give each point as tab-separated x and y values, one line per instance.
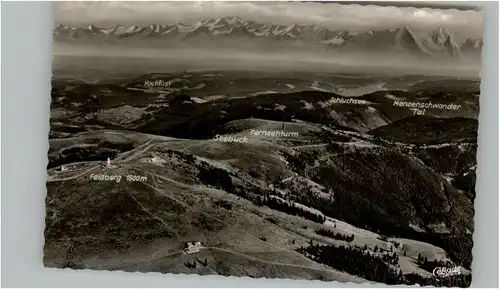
327	141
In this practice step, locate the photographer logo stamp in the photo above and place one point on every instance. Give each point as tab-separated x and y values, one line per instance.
446	271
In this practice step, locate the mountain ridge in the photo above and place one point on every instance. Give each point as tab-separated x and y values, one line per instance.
439	42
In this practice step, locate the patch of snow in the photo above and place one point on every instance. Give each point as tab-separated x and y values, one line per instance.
439	228
214	97
280	107
234	20
316	86
263	33
438	146
277	31
361	144
416	228
307	105
216	164
168	31
473	168
391	97
240	97
185	28
197	100
290	86
448	177
120	30
319	89
262	92
335	41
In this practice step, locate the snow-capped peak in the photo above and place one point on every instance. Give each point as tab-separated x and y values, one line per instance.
234	20
93	29
441	35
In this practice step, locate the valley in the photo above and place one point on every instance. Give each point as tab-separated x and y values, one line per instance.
355	191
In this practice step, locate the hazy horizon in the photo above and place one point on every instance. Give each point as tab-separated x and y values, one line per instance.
230	59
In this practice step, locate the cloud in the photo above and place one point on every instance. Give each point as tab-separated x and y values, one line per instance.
431	15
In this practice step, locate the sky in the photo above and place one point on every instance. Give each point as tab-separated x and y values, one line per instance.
352	17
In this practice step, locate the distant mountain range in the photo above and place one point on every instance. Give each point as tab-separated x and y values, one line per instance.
234	30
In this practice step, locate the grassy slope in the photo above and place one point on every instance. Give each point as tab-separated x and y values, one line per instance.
196	198
85	219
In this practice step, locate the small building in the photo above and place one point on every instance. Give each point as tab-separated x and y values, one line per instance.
192	247
154	160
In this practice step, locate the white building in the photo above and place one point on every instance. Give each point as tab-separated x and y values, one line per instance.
156	160
109	165
192	247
